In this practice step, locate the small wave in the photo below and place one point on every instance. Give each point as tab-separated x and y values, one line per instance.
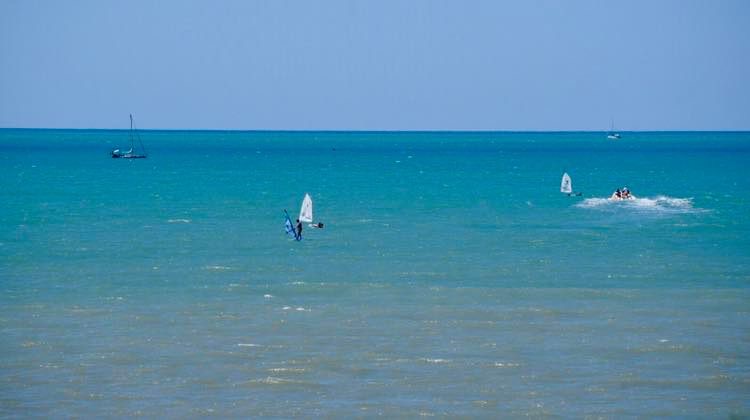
298	309
179	221
505	364
288	370
661	203
428	360
271	380
217	268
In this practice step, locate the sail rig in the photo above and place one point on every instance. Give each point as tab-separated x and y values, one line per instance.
566	186
306	211
289	227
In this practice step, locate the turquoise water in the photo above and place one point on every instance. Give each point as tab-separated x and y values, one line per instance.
451	278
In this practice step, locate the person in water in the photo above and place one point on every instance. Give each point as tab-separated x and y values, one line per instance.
618	194
317	225
625	192
299	229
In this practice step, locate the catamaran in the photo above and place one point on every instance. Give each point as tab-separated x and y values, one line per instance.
130	154
612	135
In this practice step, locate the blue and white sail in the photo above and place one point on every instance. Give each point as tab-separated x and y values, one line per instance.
289	227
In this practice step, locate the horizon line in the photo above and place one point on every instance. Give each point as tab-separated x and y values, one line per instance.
478	131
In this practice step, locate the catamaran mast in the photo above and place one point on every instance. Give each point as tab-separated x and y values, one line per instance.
131	133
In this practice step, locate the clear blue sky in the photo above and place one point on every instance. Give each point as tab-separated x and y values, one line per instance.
376	65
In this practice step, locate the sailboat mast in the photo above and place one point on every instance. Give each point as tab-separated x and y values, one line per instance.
132	143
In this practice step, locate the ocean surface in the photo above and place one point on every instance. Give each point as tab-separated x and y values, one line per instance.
452	278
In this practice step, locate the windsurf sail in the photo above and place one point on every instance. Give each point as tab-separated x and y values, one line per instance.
566	186
289	227
305	212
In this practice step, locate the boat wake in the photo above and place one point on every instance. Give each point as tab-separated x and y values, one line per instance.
658	204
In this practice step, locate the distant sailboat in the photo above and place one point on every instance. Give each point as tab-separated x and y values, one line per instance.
566	185
130	154
612	135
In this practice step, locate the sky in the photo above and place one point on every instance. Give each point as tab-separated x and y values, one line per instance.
376	65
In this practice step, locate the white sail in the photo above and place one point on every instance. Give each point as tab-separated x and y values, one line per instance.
566	186
305	213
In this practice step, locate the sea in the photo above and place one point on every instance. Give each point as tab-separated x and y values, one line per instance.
451	277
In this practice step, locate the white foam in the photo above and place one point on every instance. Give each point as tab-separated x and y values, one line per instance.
594	203
290	370
216	267
658	204
248	345
505	364
298	309
428	360
178	221
268	296
271	380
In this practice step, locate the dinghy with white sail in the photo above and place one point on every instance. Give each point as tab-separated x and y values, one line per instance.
306	213
566	185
